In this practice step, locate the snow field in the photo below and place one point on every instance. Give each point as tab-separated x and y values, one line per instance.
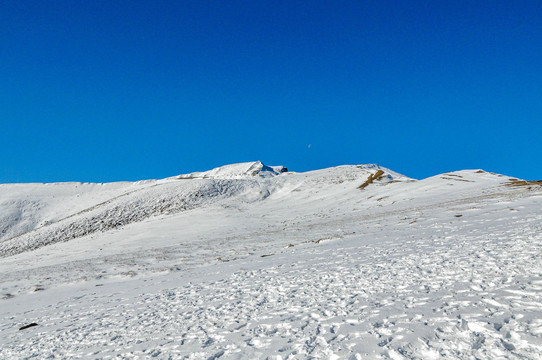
313	268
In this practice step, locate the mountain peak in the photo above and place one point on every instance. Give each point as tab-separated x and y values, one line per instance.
237	171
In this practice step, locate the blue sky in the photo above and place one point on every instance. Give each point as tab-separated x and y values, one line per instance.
126	90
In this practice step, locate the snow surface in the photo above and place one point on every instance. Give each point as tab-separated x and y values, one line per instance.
237	171
248	261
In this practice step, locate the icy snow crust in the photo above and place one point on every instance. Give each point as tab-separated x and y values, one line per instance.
248	261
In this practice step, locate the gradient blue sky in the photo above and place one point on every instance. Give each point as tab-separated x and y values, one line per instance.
126	90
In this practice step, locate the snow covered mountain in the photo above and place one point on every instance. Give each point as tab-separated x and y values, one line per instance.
253	261
237	171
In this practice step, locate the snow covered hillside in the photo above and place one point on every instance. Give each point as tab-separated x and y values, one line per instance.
252	261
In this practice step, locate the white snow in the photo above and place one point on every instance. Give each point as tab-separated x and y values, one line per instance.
247	261
236	171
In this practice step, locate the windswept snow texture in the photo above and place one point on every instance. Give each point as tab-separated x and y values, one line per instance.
248	261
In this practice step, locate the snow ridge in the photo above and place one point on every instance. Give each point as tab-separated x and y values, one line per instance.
136	206
237	171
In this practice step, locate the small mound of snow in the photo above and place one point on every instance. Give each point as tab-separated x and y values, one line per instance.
237	171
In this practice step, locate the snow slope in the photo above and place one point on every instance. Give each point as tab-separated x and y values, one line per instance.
237	171
249	261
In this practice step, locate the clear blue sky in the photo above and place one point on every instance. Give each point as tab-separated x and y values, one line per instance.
125	90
